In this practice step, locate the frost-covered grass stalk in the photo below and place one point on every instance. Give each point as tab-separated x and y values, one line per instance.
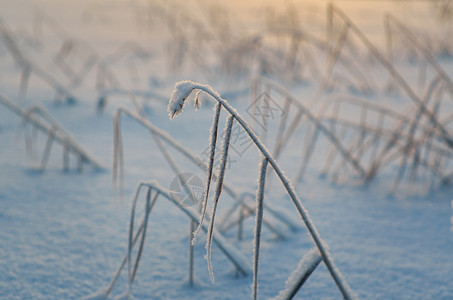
29	67
43	122
164	141
133	237
73	49
180	94
119	166
258	225
367	144
158	136
218	190
387	136
148	207
301	112
398	78
246	209
154	190
390	20
118	157
212	142
306	266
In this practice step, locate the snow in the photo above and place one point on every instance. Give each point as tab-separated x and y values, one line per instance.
64	234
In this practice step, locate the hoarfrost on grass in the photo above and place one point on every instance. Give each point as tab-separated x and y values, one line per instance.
181	91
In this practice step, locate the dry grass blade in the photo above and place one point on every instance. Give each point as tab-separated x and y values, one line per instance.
392	20
443	132
218	190
246	209
320	128
212	147
258	225
30	67
176	104
148	207
163	141
307	264
54	131
232	254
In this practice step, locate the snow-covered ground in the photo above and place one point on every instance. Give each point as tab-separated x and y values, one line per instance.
64	234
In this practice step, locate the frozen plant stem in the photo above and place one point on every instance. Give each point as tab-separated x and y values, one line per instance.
182	91
258	225
41	121
307	264
218	190
389	19
443	132
140	233
148	206
245	210
212	143
164	140
191	252
233	255
303	111
118	156
9	41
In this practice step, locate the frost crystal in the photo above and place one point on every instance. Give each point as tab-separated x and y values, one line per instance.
180	93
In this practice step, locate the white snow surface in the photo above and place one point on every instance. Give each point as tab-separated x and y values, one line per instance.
63	234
